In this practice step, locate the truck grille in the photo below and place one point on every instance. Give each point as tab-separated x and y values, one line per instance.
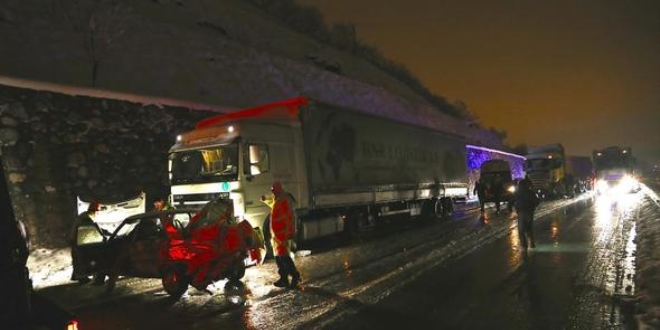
539	180
181	199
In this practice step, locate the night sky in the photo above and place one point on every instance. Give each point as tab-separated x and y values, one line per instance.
582	73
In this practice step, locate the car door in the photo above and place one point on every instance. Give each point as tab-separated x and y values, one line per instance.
92	250
145	249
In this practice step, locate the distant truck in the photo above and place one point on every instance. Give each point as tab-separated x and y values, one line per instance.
615	169
499	185
554	174
346	169
579	174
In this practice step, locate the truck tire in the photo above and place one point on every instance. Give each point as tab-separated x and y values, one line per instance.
447	207
428	210
439	209
351	228
175	282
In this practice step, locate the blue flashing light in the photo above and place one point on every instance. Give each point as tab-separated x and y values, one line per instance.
477	155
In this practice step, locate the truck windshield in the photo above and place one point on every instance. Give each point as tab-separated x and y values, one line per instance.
611	162
205	165
494	176
541	164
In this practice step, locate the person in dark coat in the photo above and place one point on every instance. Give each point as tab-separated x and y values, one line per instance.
498	191
481	190
526	202
528	181
84	219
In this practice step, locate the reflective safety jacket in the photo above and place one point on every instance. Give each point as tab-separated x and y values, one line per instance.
281	225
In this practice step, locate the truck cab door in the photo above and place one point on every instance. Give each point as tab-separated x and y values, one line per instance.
259	177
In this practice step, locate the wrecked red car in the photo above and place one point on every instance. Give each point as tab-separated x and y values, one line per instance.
181	246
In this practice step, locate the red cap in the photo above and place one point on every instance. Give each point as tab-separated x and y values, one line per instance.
94	206
276	188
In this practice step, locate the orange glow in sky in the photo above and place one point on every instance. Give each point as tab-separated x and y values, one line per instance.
582	73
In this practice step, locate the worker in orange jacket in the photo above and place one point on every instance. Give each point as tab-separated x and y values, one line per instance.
282	229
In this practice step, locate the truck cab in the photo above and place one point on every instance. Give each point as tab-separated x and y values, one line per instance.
614	169
239	166
495	175
546	169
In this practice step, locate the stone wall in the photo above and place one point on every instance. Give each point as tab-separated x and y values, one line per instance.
56	147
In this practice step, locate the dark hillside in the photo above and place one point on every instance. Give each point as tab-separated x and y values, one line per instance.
230	53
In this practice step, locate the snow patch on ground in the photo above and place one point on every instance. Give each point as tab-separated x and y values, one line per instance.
50	267
647	263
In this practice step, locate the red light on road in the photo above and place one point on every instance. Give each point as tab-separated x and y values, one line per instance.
73	325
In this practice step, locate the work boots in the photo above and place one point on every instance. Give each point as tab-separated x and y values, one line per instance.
283	282
295	279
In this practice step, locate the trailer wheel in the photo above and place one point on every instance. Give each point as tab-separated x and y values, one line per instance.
352	225
442	208
429	212
357	221
439	209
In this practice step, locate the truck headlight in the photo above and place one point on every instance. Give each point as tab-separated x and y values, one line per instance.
628	182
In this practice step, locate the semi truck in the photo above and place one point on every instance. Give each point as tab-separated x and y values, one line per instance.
555	174
615	169
498	183
346	169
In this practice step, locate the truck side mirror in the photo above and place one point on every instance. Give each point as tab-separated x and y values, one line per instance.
257	160
255	169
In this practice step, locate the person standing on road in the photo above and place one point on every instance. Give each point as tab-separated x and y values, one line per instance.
526	202
282	230
480	190
162	204
498	192
527	181
84	219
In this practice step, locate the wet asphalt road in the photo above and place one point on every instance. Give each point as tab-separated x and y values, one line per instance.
462	273
571	280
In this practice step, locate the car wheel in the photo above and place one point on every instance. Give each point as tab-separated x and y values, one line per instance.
237	272
111	283
175	282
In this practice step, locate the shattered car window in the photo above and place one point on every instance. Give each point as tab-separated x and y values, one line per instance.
126	228
215	212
